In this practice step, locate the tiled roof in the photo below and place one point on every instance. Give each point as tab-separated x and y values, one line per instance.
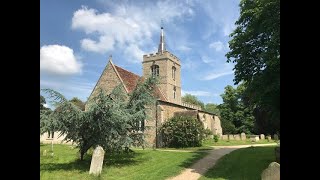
131	80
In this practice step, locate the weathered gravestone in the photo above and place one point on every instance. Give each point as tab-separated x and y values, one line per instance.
224	137
231	137
269	138
237	137
97	161
275	137
262	136
256	139
243	136
272	172
45	153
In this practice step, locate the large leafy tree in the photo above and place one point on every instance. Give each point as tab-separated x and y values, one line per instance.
213	108
191	99
111	121
236	117
255	50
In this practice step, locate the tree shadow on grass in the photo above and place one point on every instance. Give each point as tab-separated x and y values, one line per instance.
110	160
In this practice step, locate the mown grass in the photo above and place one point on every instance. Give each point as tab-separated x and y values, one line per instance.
141	164
242	164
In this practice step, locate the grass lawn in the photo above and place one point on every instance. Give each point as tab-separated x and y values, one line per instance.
141	164
210	142
246	163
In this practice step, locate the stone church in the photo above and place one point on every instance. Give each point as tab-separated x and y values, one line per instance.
167	67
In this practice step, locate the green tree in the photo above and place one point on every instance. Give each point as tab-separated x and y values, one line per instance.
76	101
255	50
191	99
213	108
110	121
236	117
182	131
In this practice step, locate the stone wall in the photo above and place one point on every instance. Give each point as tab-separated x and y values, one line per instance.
44	138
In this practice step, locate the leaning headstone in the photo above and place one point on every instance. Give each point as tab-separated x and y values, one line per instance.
224	137
243	136
231	137
275	137
262	136
237	137
97	161
269	138
272	172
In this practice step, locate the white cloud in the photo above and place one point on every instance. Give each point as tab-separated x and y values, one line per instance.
183	48
69	87
223	14
212	76
59	60
46	105
218	45
196	93
219	71
127	27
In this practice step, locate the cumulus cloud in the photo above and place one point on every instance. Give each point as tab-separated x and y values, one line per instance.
126	26
59	60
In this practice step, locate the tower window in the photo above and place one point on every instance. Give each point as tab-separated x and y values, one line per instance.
174	92
173	73
155	70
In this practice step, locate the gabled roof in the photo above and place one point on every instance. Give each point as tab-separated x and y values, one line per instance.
129	79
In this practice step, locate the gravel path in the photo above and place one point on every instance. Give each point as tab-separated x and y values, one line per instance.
200	167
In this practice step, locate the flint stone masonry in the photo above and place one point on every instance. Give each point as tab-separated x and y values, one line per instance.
224	137
231	137
237	137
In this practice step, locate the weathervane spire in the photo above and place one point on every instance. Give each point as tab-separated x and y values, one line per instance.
161	47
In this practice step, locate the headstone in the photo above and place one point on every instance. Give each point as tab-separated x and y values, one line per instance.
275	137
45	153
262	136
97	161
243	136
269	138
272	172
231	137
255	139
237	137
210	136
224	137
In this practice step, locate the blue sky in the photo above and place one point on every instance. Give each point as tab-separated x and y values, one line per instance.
77	37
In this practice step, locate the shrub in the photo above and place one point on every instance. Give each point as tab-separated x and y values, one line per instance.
215	138
182	131
207	132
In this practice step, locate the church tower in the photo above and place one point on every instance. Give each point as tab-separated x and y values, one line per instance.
167	67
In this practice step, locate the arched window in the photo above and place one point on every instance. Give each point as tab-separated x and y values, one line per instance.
174	92
173	73
155	70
